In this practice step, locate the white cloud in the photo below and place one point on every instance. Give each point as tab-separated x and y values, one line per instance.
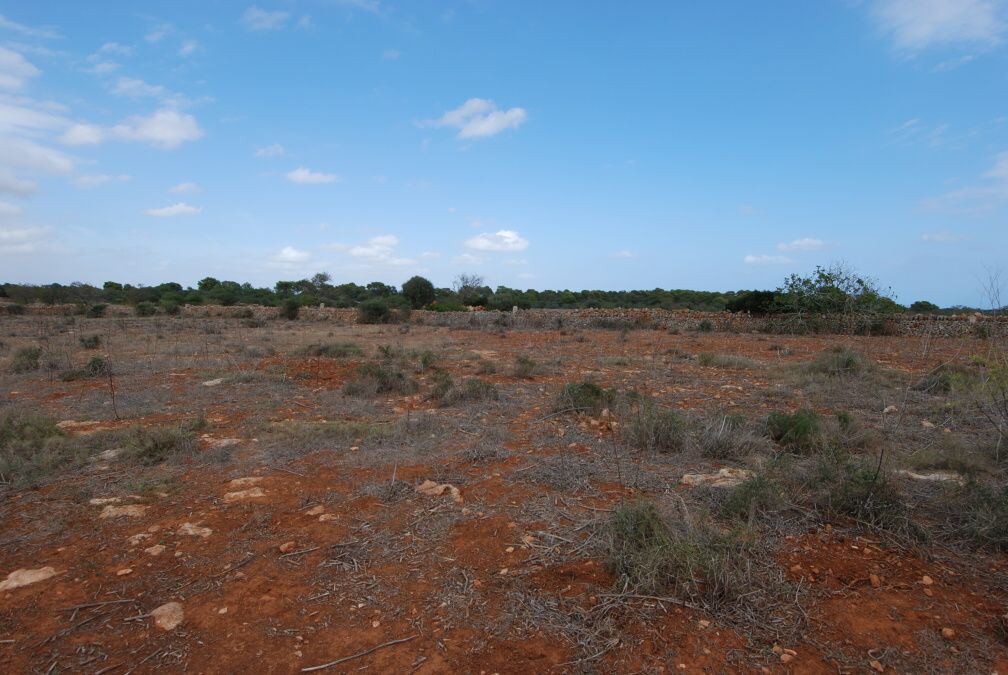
376	251
176	209
30	31
806	244
502	240
8	210
984	196
159	33
479	118
390	54
164	129
274	150
184	187
136	88
307	176
188	48
21	239
115	48
14	69
258	19
22	153
94	180
83	134
941	238
104	67
622	254
11	184
289	254
915	25
767	260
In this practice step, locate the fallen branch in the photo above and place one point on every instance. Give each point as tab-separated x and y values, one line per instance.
358	654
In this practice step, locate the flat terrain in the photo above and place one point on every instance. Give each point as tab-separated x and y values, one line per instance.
307	492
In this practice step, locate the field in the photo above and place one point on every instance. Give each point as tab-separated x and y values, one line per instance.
229	495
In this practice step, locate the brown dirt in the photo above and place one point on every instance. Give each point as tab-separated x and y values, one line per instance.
392	563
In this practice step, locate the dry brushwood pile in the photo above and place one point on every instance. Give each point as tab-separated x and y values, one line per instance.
214	494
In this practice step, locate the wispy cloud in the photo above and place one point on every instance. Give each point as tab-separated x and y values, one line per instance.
29	31
622	254
916	25
184	187
176	209
307	176
941	238
767	260
502	240
806	244
390	54
274	150
15	70
15	240
188	48
164	128
94	180
987	194
258	19
480	118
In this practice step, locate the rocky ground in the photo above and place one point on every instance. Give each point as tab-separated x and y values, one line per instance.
230	495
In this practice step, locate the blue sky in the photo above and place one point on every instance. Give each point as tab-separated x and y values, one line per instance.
713	145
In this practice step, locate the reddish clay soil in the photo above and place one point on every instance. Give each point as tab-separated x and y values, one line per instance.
332	552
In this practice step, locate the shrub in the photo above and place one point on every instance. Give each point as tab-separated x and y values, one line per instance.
726	437
25	359
15	310
654	429
799	431
332	350
447	306
524	367
705	326
96	367
442	383
426	360
96	311
90	341
649	554
159	444
759	494
290	309
485	367
472	389
978	512
586	397
869	495
838	361
371	379
374	310
32	448
145	309
725	361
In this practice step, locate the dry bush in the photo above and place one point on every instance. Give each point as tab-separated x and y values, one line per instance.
725	361
727	437
372	379
653	429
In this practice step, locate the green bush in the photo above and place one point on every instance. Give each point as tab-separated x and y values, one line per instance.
978	512
649	554
705	326
150	446
756	495
726	437
290	309
90	341
800	431
725	361
25	359
145	309
32	448
447	306
96	311
15	310
96	367
371	379
374	310
654	429
866	493
585	396
838	361
524	367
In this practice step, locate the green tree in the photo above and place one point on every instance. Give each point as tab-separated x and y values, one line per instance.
419	292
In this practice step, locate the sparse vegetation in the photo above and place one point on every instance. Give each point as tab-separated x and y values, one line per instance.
332	350
585	396
25	359
524	367
725	361
799	431
90	341
654	429
838	361
372	379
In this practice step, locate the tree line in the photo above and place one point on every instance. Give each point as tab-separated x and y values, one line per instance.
833	289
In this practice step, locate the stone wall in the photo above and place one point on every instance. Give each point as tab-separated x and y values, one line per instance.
958	325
